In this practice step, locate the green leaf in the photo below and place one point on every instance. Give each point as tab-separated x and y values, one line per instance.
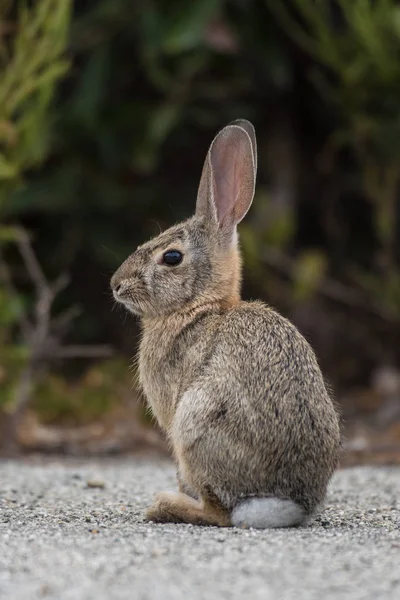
7	234
310	269
7	169
186	26
161	122
11	308
87	101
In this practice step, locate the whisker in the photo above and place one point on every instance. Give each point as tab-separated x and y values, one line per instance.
109	250
160	230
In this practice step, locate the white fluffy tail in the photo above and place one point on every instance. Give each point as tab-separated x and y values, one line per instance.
266	513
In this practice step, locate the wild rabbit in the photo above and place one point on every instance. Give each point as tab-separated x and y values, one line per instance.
234	385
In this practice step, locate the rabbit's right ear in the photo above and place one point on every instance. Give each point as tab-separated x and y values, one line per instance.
227	183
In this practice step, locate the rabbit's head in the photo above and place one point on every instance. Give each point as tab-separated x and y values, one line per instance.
197	261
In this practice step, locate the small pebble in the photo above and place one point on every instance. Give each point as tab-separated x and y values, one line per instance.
95	483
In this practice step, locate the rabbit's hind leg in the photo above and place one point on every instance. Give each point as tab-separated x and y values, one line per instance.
172	507
185	488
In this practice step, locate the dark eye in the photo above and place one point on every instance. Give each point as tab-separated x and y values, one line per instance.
172	257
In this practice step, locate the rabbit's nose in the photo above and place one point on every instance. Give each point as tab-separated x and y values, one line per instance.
118	285
119	290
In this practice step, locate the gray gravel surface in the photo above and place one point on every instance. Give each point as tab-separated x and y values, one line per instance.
74	530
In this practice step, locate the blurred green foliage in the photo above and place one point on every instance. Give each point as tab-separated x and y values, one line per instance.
83	399
33	40
356	46
96	158
31	65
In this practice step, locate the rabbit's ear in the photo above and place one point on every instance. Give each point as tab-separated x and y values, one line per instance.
227	183
248	127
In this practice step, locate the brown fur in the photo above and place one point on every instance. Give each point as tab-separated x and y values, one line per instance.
235	386
179	507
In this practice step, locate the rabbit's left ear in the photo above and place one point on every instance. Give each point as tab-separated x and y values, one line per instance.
227	184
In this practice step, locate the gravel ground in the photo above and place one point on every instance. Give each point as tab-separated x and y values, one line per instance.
74	530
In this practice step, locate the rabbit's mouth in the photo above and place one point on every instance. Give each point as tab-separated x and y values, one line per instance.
123	294
125	301
128	302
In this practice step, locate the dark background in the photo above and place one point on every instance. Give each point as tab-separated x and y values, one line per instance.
100	155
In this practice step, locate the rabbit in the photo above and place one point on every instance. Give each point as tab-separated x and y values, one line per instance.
233	384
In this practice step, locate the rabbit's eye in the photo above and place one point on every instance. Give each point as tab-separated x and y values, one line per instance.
172	257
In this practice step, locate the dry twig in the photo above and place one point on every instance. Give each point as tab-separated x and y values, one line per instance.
41	332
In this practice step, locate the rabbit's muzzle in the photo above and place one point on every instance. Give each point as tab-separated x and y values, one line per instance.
121	289
128	291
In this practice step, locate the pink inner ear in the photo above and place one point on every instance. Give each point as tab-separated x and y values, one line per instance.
233	174
226	179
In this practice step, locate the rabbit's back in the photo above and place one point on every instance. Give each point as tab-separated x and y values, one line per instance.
258	419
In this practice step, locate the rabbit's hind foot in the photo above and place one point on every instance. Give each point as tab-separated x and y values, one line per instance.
175	507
